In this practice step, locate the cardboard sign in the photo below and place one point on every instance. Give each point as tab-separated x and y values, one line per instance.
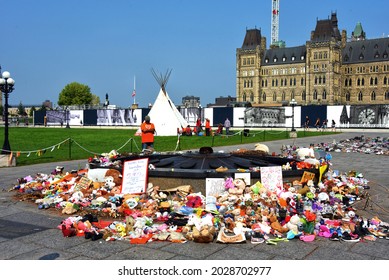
214	186
84	183
135	174
307	176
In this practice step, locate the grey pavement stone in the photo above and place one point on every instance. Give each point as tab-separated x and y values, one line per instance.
99	249
12	248
44	254
10	229
39	220
52	238
378	249
330	254
240	253
294	249
194	250
141	252
7	210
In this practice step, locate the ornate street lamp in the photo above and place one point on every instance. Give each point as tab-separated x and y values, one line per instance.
67	114
293	103
6	87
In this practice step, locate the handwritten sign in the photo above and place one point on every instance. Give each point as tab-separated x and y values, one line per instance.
135	176
271	177
214	186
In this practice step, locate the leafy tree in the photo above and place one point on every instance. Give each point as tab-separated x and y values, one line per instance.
33	109
75	94
1	110
95	100
21	111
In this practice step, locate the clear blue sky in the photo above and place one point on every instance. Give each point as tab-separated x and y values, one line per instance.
46	44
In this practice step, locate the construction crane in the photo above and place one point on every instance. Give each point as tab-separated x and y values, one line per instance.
275	21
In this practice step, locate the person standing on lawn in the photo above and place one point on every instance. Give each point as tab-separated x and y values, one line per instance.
207	127
227	125
148	131
198	126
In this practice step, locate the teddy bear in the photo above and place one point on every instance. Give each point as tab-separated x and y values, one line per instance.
98	175
205	235
69	208
276	225
293	224
116	176
261	147
239	187
195	200
304	153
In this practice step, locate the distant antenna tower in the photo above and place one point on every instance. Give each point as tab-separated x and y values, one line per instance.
275	21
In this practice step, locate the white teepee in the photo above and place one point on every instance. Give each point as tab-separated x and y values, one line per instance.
164	114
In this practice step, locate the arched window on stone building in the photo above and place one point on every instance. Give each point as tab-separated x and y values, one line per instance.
360	96
373	96
304	95
324	95
314	94
348	97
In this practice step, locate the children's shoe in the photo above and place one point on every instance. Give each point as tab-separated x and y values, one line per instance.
348	238
334	236
257	238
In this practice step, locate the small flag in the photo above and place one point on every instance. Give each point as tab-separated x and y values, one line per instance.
133	93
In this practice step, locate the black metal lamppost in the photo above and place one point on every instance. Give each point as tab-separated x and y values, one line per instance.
67	114
293	103
6	87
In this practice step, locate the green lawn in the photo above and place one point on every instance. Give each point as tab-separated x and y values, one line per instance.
34	145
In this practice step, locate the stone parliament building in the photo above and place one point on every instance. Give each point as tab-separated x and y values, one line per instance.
330	69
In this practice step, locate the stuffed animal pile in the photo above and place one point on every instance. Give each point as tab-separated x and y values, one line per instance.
95	208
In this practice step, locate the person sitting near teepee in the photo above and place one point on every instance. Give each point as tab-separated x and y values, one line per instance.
148	130
219	129
187	131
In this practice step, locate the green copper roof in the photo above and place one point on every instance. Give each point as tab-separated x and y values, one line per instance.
358	31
